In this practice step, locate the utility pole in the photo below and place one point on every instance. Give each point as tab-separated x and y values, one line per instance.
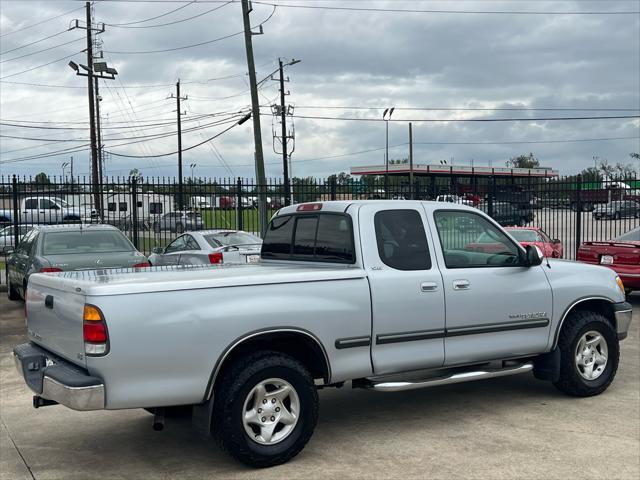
411	159
92	125
283	118
283	110
93	71
98	133
179	113
255	109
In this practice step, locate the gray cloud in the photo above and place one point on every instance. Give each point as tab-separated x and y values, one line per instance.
349	58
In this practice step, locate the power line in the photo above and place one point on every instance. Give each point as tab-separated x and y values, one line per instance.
43	50
40	23
151	18
192	45
34	42
532	119
175	48
184	149
473	12
40	66
473	109
175	21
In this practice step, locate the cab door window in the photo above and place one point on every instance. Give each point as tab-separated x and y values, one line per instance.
469	240
401	239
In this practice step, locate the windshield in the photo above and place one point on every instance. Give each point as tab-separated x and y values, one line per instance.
102	241
524	235
630	236
232	238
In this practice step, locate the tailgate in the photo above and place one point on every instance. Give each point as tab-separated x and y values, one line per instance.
54	318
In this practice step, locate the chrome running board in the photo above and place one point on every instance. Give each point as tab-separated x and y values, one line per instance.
450	379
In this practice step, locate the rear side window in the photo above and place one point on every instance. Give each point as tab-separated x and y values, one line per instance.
317	238
401	239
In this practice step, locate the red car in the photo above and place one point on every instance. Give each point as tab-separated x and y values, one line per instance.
621	254
536	236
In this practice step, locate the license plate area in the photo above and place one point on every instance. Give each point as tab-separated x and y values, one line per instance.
606	260
253	258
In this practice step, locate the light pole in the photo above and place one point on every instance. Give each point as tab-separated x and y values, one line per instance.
192	167
64	165
386	119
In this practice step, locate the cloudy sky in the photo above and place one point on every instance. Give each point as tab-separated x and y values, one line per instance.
572	58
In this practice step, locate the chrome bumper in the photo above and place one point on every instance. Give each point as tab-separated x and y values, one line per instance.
623	313
57	380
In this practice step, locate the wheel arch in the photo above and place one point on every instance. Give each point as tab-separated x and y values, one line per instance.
601	305
297	342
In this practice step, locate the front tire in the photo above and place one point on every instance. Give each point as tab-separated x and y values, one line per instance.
266	408
589	353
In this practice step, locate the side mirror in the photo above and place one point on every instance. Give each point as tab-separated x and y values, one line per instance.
534	256
158	250
8	249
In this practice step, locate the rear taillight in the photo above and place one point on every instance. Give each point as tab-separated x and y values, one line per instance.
142	265
50	270
94	332
215	257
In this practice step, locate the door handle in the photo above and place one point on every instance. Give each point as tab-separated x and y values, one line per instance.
428	287
461	285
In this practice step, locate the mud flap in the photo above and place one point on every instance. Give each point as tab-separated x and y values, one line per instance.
547	366
202	417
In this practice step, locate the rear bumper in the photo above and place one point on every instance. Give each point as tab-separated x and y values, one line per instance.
55	379
623	312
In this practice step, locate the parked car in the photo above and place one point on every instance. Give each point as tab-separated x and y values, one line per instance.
616	210
7	235
622	254
454	199
58	248
206	247
507	214
179	222
536	236
362	292
42	210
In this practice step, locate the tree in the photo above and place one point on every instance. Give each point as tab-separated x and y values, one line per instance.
591	174
135	173
606	169
42	178
624	170
635	156
523	161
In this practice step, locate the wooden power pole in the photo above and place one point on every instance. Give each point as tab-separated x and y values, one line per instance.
255	109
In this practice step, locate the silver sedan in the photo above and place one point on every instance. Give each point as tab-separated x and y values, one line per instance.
204	247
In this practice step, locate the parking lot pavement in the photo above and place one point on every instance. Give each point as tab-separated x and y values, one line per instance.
513	427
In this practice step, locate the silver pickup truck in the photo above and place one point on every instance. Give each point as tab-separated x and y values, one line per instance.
387	295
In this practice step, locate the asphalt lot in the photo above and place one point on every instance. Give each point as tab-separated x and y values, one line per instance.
513	427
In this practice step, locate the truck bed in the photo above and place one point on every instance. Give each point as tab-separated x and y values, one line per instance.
163	279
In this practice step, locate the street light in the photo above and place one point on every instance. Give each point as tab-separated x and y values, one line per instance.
386	119
192	167
64	165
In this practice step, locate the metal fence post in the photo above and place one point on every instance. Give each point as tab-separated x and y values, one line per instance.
492	194
134	210
16	211
334	188
578	214
239	222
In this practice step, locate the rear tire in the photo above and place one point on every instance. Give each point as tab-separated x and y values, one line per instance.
12	293
589	354
242	426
